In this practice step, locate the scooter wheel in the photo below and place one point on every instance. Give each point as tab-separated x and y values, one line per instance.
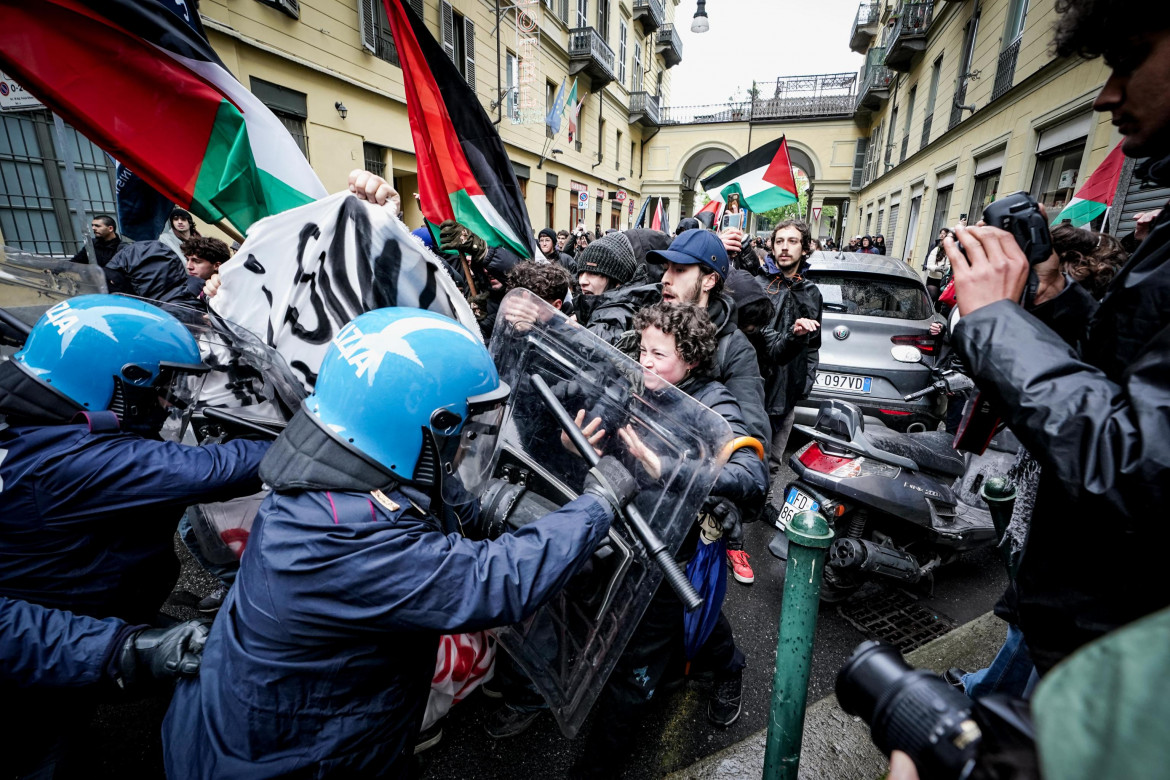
836	587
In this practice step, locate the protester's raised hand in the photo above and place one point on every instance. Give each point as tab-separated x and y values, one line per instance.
375	189
636	447
994	267
594	433
732	239
211	286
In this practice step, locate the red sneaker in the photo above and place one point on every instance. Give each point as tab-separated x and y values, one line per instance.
740	568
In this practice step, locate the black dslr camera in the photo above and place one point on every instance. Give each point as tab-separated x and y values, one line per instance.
1020	215
949	735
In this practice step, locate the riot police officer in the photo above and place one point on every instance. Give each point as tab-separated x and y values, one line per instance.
321	658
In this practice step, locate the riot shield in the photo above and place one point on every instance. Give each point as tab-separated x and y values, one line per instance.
31	283
570	645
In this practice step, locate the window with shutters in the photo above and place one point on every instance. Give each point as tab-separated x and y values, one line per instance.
636	84
512	105
376	36
892	228
289	106
623	30
582	13
601	141
859	154
374	157
633	147
931	96
617	150
906	124
458	34
890	140
603	19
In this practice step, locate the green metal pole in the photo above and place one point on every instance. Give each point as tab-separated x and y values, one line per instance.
809	537
1000	495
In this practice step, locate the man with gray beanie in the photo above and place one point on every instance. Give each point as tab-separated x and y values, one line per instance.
608	301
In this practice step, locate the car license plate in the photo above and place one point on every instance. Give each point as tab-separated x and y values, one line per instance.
845	383
795	501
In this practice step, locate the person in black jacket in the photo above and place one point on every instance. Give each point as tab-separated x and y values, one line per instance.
106	241
148	269
791	345
696	267
546	241
489	267
1097	417
608	300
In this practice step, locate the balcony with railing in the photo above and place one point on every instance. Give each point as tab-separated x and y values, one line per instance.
874	81
796	97
589	54
1005	70
669	45
908	37
644	109
650	14
865	26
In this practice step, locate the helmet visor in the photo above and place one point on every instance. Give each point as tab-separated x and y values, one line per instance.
467	458
178	386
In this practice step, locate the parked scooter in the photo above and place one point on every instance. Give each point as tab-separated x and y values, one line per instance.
902	504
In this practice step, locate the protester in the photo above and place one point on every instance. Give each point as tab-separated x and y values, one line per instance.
609	298
678	343
106	241
204	257
91	496
149	269
546	242
696	267
488	267
1094	418
792	341
320	662
685	224
179	228
814	245
548	282
879	243
562	241
866	247
1091	259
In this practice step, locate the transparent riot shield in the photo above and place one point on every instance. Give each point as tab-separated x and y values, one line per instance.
31	283
569	646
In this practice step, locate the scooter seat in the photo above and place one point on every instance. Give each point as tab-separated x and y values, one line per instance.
931	450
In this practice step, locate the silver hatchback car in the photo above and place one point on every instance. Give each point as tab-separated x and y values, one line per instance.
875	325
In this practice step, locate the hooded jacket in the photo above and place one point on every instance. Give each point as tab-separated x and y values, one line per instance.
790	361
103	250
148	269
1098	422
321	659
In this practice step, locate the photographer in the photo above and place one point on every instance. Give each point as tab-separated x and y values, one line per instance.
1096	418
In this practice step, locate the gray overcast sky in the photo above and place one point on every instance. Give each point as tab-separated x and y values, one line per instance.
759	39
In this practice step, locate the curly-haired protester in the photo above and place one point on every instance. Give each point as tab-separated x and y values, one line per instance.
677	348
1091	259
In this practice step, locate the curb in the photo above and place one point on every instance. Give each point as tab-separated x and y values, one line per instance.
836	745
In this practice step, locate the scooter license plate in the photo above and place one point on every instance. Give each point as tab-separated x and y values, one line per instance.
795	501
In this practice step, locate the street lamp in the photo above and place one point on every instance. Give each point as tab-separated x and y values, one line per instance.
341	109
700	24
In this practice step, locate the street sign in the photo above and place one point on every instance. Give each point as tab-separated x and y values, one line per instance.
631	205
14	97
621	195
816	214
583	198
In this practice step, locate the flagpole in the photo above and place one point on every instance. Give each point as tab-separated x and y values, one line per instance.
229	230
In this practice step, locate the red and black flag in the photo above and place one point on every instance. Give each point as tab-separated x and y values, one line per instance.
463	169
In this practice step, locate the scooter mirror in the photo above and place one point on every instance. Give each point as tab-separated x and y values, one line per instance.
904	353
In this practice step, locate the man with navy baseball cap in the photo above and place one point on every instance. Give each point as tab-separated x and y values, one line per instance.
696	268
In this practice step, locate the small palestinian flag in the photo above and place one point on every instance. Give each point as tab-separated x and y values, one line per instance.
142	82
463	169
1092	199
762	178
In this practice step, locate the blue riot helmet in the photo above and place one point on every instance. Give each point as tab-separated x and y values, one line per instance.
416	393
118	354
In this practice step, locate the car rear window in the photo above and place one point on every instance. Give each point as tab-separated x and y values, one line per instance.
870	296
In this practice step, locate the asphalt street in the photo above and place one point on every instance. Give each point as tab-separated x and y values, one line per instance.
673	735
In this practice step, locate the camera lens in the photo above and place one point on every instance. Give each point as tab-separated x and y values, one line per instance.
911	710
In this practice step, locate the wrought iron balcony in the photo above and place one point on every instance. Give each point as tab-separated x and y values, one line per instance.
874	81
644	109
825	94
865	26
739	111
1005	70
908	37
669	45
650	13
589	54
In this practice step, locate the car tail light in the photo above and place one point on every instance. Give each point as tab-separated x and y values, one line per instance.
928	345
813	458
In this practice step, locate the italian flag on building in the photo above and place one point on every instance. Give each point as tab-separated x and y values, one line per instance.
762	178
144	84
1092	199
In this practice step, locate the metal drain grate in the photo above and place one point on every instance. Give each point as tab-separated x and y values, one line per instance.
897	618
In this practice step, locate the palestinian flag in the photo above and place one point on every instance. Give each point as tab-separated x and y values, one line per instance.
1092	199
463	170
762	178
144	84
659	222
709	214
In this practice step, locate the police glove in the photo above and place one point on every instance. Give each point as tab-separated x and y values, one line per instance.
454	237
725	513
611	482
162	653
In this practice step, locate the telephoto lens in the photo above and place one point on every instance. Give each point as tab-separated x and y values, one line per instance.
911	710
